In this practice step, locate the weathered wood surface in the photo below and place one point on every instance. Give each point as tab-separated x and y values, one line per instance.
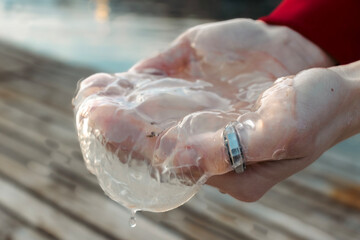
47	193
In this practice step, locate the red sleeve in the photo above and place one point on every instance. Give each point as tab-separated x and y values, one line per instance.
333	25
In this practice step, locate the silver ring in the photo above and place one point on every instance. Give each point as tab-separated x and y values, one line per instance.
234	149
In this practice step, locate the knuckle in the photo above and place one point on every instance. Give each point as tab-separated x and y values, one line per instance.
97	80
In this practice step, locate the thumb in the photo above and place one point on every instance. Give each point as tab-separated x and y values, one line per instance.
206	151
271	132
196	155
169	62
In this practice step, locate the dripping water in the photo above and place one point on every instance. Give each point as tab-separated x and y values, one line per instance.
132	220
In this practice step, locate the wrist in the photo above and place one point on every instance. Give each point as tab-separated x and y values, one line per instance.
351	116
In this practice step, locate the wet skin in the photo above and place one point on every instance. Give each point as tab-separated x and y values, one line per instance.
238	60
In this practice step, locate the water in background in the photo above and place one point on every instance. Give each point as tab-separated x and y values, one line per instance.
111	35
87	32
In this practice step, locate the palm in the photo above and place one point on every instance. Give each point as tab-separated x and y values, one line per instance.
240	58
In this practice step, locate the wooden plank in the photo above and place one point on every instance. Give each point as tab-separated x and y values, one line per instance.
7	224
308	196
45	95
269	220
56	77
309	207
29	64
24	233
44	119
33	150
333	163
11	229
41	215
95	210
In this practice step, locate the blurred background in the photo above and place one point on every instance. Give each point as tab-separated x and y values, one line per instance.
46	46
111	35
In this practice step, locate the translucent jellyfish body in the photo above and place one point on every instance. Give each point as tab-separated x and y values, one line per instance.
138	134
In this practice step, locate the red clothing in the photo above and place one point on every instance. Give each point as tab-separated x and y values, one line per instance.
333	25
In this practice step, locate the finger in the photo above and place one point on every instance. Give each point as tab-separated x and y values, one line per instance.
123	131
201	154
257	179
271	133
94	84
192	157
170	62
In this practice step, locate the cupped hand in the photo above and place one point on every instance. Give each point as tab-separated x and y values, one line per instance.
295	121
177	103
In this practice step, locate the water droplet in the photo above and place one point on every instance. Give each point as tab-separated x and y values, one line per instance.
279	154
97	132
132	221
124	192
136	175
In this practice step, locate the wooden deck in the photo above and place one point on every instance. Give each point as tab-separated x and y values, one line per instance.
46	192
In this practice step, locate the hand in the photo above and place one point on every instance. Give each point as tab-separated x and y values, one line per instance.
236	60
240	50
296	120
